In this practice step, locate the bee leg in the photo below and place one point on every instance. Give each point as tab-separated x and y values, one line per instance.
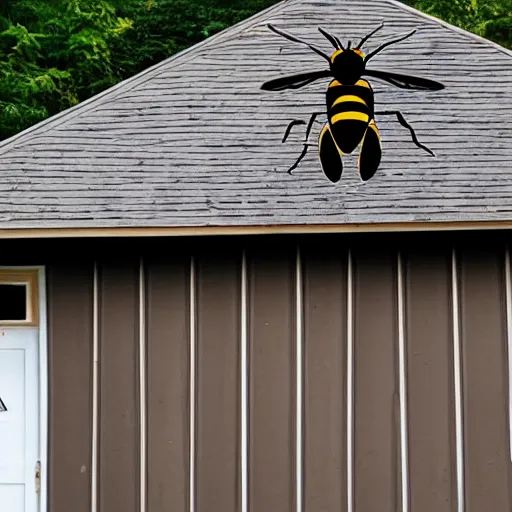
301	156
290	126
405	124
306	144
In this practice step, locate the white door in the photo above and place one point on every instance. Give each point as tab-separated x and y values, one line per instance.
19	419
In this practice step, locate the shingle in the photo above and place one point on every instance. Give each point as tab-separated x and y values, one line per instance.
194	141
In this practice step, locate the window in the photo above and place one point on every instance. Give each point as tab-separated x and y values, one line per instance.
18	297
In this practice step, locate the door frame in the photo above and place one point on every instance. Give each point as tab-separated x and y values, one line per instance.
42	379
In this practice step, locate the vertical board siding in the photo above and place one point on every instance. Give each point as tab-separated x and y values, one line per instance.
119	443
272	364
218	383
376	400
168	384
275	322
70	386
485	381
430	383
325	348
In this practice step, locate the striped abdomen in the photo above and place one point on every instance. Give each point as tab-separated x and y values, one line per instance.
350	110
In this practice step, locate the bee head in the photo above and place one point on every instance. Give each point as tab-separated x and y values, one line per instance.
347	65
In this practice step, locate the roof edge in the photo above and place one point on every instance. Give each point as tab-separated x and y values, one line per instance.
193	231
138	78
449	26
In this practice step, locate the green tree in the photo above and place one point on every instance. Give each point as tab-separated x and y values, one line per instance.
164	27
491	19
54	54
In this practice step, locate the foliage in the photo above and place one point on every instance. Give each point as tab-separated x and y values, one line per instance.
56	53
491	19
164	27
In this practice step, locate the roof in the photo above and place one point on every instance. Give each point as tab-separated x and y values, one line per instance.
194	141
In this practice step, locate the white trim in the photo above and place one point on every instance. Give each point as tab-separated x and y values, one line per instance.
508	288
192	397
43	389
457	374
244	229
350	384
142	386
299	483
244	384
95	389
402	373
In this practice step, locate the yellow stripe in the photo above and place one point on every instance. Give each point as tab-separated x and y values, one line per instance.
374	128
363	83
335	54
348	97
350	116
321	136
334	83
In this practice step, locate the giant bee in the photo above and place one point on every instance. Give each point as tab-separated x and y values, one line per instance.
350	104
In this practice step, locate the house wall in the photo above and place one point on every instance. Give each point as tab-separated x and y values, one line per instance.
264	346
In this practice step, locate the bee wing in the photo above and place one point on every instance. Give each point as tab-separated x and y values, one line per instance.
294	81
405	81
330	155
370	153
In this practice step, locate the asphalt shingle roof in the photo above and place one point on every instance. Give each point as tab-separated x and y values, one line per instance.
193	141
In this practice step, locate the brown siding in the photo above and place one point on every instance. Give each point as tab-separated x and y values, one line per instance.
272	390
119	427
325	340
431	424
70	298
218	382
485	394
168	384
377	434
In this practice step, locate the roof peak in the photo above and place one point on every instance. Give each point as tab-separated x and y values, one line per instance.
127	84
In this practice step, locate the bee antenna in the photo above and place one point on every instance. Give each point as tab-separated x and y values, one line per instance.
365	38
380	48
339	42
333	40
297	40
348	44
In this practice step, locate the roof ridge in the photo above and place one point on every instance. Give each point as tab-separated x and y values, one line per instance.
229	32
137	79
449	26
